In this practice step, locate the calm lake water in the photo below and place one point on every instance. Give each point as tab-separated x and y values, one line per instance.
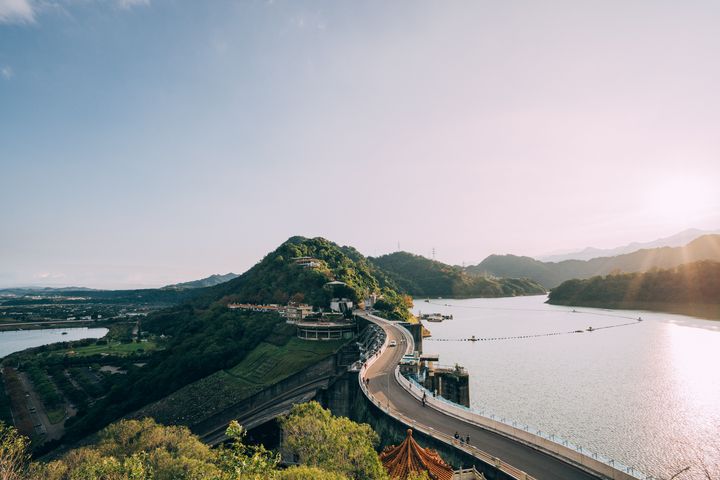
14	341
646	394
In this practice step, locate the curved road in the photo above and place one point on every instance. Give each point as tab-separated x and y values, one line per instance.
385	388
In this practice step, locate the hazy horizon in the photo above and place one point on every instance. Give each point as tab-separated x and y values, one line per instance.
149	142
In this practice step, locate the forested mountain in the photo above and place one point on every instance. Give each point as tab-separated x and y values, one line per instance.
210	281
693	288
422	277
551	274
202	336
283	275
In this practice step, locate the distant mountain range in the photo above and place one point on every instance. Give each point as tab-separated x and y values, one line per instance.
210	281
552	274
677	240
422	277
21	291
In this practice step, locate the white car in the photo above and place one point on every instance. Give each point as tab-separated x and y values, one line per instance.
392	343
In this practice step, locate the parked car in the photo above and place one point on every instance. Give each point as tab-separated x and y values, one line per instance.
392	343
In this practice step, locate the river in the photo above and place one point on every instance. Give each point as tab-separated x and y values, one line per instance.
646	393
16	340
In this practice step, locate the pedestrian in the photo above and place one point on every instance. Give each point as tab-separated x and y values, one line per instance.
468	440
457	435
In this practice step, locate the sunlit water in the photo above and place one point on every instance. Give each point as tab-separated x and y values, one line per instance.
646	394
14	341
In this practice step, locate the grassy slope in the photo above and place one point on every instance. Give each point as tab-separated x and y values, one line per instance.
265	365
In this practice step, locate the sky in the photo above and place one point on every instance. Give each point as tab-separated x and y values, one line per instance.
149	142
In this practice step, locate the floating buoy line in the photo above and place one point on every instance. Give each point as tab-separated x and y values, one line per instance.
519	337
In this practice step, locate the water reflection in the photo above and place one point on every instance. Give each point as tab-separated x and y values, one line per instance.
645	394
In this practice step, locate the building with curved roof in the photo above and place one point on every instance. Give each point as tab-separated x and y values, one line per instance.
409	456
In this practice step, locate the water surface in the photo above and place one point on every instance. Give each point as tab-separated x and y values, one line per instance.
16	340
646	393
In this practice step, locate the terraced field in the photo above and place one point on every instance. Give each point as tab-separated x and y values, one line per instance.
266	365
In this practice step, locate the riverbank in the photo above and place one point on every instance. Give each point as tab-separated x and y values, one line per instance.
44	325
704	311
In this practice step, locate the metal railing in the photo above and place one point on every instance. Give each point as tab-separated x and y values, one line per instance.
452	408
523	433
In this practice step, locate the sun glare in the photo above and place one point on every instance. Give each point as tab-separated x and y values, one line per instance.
681	199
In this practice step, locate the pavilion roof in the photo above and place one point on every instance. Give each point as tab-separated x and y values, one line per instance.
408	457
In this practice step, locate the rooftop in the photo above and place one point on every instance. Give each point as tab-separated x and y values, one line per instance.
401	460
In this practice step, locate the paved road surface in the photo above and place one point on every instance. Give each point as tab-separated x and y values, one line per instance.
385	388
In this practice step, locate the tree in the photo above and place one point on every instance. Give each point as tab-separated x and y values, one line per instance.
13	453
240	461
304	472
336	444
136	450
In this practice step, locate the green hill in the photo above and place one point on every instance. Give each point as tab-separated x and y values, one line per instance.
422	277
205	343
210	281
692	289
551	274
281	276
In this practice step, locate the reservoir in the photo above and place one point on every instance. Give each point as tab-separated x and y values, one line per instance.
644	393
16	340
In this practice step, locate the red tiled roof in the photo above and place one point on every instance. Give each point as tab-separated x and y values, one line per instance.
408	457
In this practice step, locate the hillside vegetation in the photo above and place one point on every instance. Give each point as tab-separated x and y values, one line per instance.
327	447
209	348
278	278
422	277
692	289
551	274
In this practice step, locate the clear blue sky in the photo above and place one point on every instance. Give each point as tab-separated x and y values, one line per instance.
147	142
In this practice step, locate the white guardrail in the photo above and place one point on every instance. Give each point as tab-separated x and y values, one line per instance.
545	442
469	449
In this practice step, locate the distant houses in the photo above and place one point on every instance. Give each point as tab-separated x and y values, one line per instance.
307	262
254	307
296	313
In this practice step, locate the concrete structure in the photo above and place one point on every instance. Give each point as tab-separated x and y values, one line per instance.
341	305
296	313
451	383
325	330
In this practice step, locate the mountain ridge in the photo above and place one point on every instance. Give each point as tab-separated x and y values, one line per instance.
588	253
552	274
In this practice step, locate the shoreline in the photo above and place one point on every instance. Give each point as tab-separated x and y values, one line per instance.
700	311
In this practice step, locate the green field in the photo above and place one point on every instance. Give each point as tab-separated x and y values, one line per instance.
56	415
117	349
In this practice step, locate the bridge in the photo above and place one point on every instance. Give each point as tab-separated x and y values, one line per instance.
517	453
